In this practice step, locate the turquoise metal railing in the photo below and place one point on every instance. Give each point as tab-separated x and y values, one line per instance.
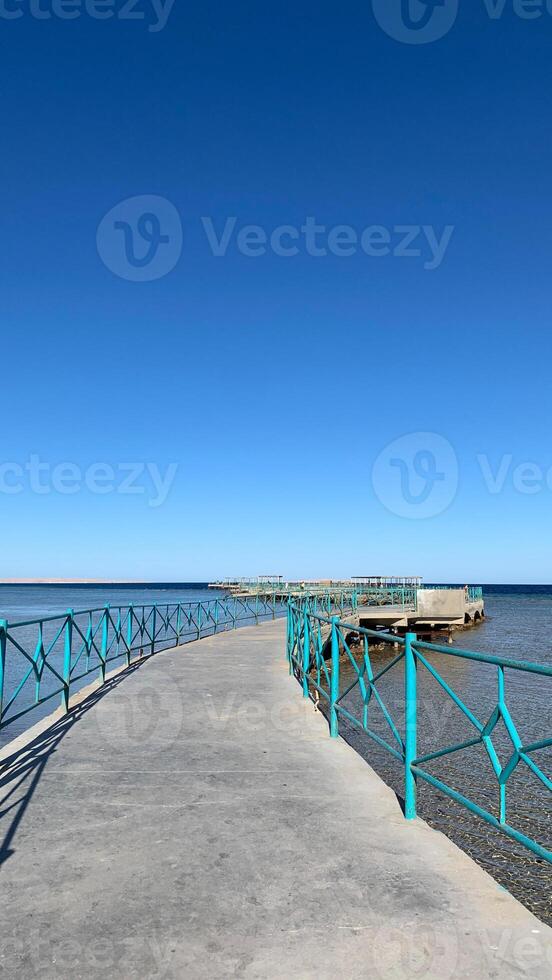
315	646
404	598
41	659
475	592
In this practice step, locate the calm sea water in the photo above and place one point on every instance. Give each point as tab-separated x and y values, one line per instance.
18	602
518	626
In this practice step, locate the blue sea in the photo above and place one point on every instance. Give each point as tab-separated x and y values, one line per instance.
24	602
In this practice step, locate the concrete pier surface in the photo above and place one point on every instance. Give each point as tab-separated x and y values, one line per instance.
194	820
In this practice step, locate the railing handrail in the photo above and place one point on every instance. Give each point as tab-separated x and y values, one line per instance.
474	591
307	639
487	658
80	642
113	607
172	604
86	640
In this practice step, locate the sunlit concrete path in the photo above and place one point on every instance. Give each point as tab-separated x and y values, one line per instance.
194	820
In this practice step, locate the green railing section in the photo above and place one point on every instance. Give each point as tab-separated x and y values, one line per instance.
291	590
316	646
42	659
402	596
474	592
47	658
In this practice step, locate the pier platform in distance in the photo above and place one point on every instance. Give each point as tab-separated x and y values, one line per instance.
194	820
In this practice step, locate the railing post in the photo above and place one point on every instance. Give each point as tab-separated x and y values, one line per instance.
306	653
103	654
67	661
288	633
256	608
153	628
216	614
129	635
291	633
118	630
142	629
3	640
199	620
178	625
334	680
410	717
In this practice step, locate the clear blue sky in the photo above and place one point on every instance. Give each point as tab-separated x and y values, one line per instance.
275	382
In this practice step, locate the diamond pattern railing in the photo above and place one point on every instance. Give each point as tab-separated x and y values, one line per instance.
46	658
319	648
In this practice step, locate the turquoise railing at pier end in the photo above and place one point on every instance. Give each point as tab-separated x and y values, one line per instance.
474	592
47	658
400	597
315	646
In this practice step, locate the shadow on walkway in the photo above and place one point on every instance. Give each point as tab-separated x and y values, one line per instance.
346	733
20	773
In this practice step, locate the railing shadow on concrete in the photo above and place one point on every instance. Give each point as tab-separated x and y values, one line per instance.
124	631
42	660
56	654
20	772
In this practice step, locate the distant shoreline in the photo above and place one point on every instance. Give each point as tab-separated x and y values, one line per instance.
141	584
94	581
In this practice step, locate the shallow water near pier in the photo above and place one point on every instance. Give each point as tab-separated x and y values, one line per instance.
518	626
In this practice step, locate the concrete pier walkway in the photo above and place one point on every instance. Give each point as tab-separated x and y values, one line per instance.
194	820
